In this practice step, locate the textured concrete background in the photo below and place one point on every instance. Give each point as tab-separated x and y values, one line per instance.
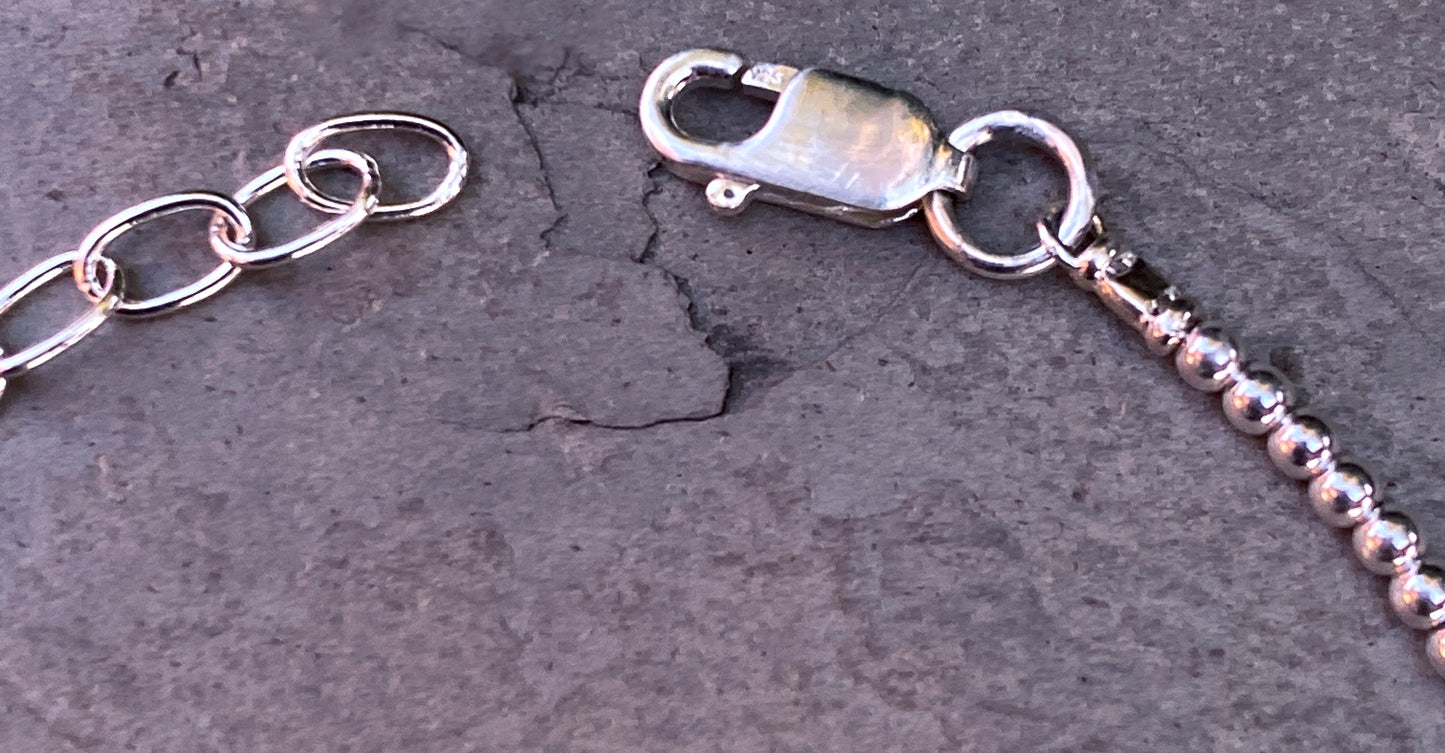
580	466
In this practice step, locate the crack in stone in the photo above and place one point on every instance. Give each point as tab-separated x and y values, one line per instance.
646	257
747	368
520	100
531	97
742	369
571	421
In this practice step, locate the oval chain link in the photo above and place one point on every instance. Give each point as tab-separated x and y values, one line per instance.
245	256
309	140
232	235
92	251
111	291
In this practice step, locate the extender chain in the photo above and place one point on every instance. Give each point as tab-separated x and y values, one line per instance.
232	235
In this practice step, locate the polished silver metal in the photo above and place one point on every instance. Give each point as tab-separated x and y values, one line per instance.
1173	317
808	156
1208	360
92	251
1095	260
1345	495
1074	224
1435	650
852	150
1127	285
1418	597
101	280
307	142
1388	542
246	256
834	145
1302	447
112	289
1258	401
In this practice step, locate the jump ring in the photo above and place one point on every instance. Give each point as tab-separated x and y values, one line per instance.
306	142
361	207
111	292
1073	224
92	251
1072	257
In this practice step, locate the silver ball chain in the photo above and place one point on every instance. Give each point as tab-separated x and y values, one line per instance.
1259	401
858	152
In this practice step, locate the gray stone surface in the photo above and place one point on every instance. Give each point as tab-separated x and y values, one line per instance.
579	466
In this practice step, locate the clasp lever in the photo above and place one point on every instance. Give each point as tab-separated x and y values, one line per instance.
835	145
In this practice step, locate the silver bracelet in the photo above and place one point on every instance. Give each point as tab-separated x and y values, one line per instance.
855	151
841	148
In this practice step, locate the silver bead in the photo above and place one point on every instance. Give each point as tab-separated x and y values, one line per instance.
1388	543
1208	360
1435	649
1258	401
1418	597
1170	320
1302	447
1345	495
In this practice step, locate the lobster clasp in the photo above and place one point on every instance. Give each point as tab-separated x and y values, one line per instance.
835	145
